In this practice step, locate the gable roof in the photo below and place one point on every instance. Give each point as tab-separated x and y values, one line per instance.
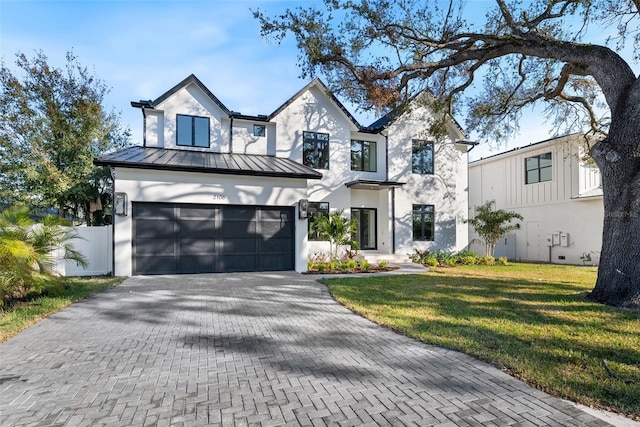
191	79
325	89
206	162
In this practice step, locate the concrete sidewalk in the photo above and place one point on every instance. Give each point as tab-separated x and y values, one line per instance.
248	349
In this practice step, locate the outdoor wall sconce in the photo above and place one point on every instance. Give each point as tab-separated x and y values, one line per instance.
120	204
303	209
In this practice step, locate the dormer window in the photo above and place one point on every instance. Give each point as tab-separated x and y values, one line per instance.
259	130
192	131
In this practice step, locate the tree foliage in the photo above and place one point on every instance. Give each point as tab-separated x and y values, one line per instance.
492	224
27	251
52	123
338	230
487	65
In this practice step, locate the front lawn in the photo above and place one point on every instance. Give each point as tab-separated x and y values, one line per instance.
21	315
531	320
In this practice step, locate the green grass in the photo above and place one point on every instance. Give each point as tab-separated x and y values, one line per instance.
24	314
530	320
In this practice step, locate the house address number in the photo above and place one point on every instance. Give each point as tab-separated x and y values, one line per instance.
219	197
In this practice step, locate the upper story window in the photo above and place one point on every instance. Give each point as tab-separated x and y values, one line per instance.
259	130
363	156
423	222
538	168
315	150
192	131
316	209
422	157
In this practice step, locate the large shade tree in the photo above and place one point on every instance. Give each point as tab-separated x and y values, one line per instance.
53	121
487	65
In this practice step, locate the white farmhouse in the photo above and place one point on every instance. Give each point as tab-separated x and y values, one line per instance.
213	190
555	189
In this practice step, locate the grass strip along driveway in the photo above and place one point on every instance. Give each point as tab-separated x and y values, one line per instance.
530	320
21	315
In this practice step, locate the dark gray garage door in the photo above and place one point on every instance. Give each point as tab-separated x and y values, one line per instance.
186	238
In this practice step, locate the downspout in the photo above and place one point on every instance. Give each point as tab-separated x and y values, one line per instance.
144	128
231	133
393	195
112	172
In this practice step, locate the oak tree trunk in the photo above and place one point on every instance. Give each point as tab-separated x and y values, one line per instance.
618	157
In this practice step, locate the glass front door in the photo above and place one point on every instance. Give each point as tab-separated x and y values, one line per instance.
365	234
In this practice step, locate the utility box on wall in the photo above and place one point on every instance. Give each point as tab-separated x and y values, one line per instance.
555	238
564	239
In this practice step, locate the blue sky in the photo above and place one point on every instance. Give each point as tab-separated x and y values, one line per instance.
143	48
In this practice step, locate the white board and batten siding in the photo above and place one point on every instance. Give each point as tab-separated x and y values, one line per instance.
569	204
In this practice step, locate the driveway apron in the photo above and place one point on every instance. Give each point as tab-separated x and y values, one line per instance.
248	349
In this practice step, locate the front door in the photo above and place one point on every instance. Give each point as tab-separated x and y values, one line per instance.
366	232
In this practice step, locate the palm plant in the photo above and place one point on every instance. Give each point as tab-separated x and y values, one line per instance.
27	251
491	224
337	229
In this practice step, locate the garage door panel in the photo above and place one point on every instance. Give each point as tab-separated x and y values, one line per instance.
276	245
240	246
235	263
237	213
197	264
232	229
275	229
158	247
155	265
199	213
154	228
274	262
182	238
197	246
165	212
201	229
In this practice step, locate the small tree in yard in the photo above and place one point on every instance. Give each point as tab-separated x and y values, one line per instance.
491	224
26	251
337	229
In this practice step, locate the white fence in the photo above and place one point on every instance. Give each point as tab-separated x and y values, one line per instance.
95	243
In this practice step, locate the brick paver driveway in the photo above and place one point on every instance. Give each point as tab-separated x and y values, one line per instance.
247	349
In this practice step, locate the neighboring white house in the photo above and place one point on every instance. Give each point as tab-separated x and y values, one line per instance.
215	190
558	193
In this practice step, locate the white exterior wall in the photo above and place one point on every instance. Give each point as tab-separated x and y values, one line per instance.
446	189
191	187
547	207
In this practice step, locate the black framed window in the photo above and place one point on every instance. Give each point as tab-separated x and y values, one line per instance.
315	150
423	222
316	209
259	130
538	168
422	157
192	131
366	227
363	156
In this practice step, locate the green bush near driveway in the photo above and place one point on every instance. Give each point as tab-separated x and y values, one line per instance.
531	320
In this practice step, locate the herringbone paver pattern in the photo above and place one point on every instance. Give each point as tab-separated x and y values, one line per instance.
248	350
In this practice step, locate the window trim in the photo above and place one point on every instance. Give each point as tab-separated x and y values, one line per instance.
312	236
538	168
420	209
261	133
193	131
316	149
364	144
421	144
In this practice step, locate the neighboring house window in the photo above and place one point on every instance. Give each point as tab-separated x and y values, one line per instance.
192	131
259	130
423	222
316	209
422	157
363	156
315	150
538	168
